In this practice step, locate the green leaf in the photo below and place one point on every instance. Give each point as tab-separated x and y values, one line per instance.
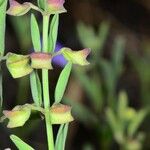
65	131
108	73
62	82
61	137
3	4
58	142
136	122
53	32
115	125
103	34
122	104
118	54
41	3
112	120
21	145
35	34
90	39
87	36
92	87
36	88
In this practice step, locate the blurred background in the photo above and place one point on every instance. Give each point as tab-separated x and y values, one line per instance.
110	98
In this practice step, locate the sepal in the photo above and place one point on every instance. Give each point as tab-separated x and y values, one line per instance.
76	57
60	114
41	61
55	6
18	65
17	9
17	116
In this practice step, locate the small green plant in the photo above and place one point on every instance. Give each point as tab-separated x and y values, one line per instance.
124	123
100	81
40	62
103	70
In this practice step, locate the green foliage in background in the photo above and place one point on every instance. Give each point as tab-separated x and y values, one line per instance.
124	123
100	81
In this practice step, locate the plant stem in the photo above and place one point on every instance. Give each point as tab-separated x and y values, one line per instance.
45	32
45	83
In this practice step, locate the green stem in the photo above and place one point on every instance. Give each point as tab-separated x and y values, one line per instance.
45	32
45	83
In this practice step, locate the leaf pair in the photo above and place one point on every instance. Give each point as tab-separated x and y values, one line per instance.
61	137
89	38
36	40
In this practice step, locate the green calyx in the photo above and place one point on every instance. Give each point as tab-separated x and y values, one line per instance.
41	61
60	114
48	7
22	65
18	65
76	57
17	116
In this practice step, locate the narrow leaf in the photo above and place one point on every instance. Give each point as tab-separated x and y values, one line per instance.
3	5
41	3
122	104
62	82
136	122
61	137
87	37
53	32
92	87
58	142
35	34
65	131
2	25
112	120
103	34
36	88
21	145
108	73
118	53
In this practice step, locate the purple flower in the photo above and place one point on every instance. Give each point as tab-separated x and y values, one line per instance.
59	60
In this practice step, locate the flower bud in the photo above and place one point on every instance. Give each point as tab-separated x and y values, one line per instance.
55	6
18	116
41	61
17	9
76	57
60	114
18	65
